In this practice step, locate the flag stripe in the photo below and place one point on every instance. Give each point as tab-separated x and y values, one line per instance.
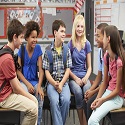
78	5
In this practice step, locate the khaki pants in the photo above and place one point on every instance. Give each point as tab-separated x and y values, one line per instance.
22	103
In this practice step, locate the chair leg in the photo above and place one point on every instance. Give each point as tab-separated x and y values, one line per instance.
44	118
51	118
69	112
73	116
47	118
103	121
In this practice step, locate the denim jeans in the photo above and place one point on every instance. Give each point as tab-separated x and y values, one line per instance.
40	104
79	92
59	103
102	111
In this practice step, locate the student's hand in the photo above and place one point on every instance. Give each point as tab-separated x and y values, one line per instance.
86	95
84	80
93	105
30	89
59	90
79	81
89	93
97	102
39	91
56	85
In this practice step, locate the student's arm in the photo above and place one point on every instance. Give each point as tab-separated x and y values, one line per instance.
17	88
102	89
50	78
89	93
94	89
75	78
23	79
63	81
89	68
97	80
56	83
41	74
65	77
115	92
104	84
46	67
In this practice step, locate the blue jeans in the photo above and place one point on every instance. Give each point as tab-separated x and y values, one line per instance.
40	104
78	92
102	111
59	103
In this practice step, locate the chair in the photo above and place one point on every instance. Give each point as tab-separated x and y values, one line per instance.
8	116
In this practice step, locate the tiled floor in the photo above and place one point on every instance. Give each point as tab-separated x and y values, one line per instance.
72	118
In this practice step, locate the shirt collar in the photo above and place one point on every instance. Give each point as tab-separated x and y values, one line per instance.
53	47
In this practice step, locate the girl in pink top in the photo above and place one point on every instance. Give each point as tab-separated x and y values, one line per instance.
111	97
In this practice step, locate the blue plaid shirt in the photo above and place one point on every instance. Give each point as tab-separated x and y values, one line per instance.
58	66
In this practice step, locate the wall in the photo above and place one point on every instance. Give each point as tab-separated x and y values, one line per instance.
44	14
111	12
52	9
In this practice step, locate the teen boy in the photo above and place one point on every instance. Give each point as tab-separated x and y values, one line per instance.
13	96
58	89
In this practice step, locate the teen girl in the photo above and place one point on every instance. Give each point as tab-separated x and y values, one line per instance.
112	89
80	71
32	58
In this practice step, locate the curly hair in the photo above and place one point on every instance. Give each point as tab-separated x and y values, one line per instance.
29	27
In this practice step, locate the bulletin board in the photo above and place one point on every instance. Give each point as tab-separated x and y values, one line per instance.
3	22
48	17
44	17
23	14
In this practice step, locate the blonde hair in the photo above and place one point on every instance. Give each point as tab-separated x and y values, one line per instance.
83	37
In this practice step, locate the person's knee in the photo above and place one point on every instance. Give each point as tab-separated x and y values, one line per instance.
34	110
86	87
66	99
92	121
54	101
78	92
34	107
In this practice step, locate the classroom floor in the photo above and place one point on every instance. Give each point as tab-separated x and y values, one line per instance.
72	119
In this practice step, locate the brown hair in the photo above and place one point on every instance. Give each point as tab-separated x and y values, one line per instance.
101	27
117	48
56	25
14	27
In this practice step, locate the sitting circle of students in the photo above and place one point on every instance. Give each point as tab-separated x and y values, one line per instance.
67	68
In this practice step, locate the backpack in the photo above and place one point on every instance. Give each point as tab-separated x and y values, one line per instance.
50	58
15	57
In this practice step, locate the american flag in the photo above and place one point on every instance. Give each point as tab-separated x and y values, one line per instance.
78	5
